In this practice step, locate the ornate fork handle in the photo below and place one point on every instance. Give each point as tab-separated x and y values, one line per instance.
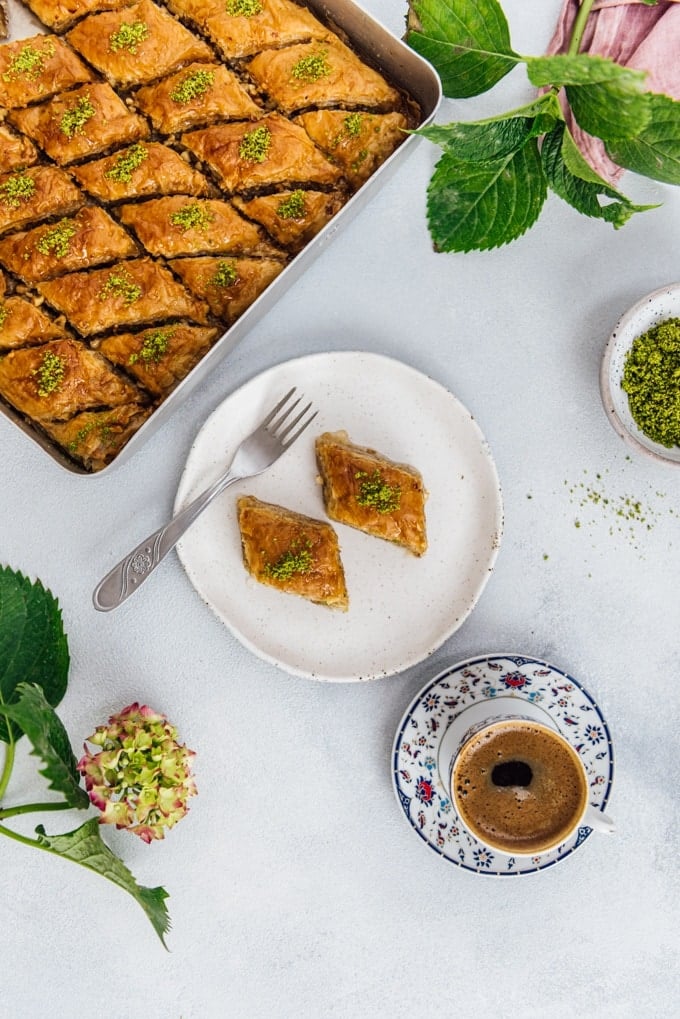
140	563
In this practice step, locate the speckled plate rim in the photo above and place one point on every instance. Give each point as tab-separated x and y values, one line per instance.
651	309
436	822
401	608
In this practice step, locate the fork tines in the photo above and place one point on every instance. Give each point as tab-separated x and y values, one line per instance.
273	426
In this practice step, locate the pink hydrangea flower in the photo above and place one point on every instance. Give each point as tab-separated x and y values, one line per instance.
140	778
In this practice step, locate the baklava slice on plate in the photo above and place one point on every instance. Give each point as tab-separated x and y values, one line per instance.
161	357
270	151
228	285
136	45
59	14
94	438
37	68
188	226
356	142
140	171
292	217
81	123
197	95
292	552
131	293
242	27
320	74
28	196
366	490
22	324
56	380
82	241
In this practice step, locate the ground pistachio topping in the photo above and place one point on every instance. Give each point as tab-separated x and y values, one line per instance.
129	36
50	373
243	8
29	62
76	117
120	284
374	492
297	559
17	189
193	86
255	144
96	424
225	275
57	239
193	215
651	378
292	207
352	124
311	68
126	163
154	346
4	312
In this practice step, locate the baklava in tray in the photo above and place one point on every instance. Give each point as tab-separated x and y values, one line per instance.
161	163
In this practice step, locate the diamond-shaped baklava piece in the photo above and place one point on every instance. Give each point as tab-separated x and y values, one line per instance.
94	438
131	293
229	285
265	152
80	123
320	74
27	196
37	68
189	226
363	489
22	324
137	44
292	552
56	380
292	217
59	14
140	171
16	151
197	95
159	358
82	241
243	27
357	142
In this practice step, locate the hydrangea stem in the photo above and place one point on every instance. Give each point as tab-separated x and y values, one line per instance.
579	27
31	808
7	767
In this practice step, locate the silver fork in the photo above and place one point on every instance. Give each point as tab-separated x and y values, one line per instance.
255	454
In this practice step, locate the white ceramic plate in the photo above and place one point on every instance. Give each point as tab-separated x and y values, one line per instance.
401	607
648	312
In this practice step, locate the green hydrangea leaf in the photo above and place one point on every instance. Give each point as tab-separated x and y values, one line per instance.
468	43
477	141
33	645
609	110
483	205
40	722
582	69
655	151
85	846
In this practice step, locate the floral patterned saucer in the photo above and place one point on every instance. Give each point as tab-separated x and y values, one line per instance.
420	788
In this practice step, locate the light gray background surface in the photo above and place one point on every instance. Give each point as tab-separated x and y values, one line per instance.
297	889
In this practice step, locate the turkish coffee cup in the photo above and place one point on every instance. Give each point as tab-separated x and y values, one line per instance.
516	782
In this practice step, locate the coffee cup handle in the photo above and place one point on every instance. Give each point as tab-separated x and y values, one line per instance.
599	821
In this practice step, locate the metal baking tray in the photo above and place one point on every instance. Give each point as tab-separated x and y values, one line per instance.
406	70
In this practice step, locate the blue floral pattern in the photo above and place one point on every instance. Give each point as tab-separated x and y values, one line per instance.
422	794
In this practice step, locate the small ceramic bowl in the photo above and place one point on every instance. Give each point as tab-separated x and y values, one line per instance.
656	307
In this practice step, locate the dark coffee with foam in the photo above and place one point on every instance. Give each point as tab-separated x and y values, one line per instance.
519	786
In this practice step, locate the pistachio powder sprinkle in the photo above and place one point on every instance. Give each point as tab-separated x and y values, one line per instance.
154	347
193	86
255	144
311	68
376	493
352	124
97	424
225	275
292	207
50	373
297	559
76	117
129	36
120	284
57	240
243	8
17	189
4	312
193	216
651	378
29	62
126	164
